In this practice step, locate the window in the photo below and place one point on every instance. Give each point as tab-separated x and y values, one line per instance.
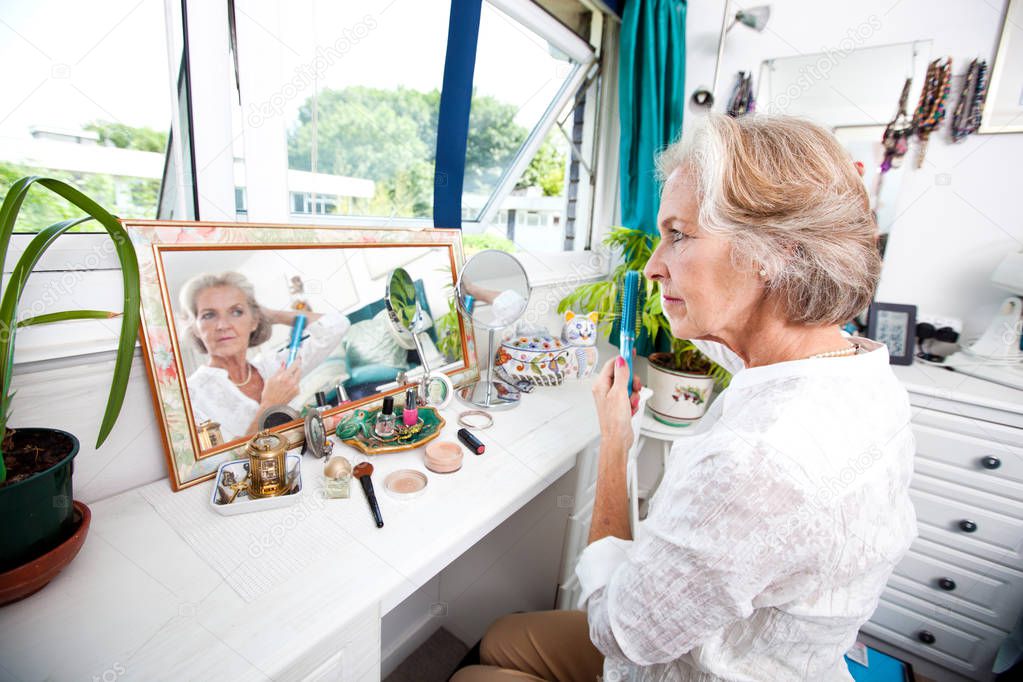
351	90
518	163
75	108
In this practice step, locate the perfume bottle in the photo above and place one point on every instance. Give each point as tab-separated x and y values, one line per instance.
411	414
385	420
337	477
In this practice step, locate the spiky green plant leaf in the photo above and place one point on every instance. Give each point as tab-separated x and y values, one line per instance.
19	275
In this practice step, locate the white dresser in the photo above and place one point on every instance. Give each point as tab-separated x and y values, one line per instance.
959	591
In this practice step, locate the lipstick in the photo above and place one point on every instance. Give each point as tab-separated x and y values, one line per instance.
470	441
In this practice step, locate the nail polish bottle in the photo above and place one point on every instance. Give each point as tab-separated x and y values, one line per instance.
385	420
411	414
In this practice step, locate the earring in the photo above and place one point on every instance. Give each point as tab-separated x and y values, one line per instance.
763	272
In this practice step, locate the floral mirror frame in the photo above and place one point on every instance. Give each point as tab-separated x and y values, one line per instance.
188	461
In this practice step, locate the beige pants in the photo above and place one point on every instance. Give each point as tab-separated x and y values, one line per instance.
543	645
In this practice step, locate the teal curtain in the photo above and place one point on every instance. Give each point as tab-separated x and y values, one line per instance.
652	70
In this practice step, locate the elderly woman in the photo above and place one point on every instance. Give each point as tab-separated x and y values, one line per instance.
779	520
224	321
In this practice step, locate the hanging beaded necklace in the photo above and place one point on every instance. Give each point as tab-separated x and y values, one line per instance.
896	136
931	109
970	108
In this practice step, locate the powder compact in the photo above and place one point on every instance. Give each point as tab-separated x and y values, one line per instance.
405	484
443	457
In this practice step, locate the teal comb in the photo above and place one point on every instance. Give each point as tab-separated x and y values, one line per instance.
630	301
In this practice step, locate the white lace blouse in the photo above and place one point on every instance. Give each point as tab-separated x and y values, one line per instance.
214	396
772	534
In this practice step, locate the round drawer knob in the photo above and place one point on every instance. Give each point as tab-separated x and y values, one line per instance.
967	526
990	462
946	584
925	636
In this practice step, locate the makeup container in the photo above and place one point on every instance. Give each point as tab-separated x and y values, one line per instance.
321	402
384	427
443	457
405	484
337	478
472	442
411	414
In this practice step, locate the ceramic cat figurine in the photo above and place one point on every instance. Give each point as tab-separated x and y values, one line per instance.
580	332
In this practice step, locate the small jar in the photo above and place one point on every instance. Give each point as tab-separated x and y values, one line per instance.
337	478
384	427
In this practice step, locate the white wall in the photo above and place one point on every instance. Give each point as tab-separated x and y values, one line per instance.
960	213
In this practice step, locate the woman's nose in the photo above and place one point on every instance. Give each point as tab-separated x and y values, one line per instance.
654	267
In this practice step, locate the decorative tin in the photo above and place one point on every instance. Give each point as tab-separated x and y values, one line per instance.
267	473
540	359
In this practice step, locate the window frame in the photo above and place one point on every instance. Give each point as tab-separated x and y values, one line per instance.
77	253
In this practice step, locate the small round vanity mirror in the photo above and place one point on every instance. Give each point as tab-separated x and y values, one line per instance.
402	307
408	321
315	435
493	291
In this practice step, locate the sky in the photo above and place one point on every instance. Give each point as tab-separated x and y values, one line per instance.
108	60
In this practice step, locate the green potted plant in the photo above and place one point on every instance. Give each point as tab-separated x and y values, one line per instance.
43	527
681	377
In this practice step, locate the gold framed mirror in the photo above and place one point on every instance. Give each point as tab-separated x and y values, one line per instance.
244	320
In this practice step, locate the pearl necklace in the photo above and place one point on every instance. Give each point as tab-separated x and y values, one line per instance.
248	377
851	350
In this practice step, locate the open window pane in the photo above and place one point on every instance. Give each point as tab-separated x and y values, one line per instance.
356	86
78	108
510	97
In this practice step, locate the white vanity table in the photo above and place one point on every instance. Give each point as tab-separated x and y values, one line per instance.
140	602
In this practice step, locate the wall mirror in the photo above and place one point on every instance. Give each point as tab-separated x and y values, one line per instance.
855	92
241	319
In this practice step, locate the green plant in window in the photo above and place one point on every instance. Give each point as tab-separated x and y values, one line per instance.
15	287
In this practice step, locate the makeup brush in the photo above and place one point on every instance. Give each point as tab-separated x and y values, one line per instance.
362	471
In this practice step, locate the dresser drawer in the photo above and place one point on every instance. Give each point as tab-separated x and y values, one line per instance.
963	526
960	583
990	463
957	643
970	426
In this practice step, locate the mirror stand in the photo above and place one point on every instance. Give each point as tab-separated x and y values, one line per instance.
418	326
490	394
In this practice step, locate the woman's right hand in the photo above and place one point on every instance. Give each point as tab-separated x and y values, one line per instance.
282	387
615	407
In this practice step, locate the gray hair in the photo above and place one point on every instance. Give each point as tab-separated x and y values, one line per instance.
785	192
190	294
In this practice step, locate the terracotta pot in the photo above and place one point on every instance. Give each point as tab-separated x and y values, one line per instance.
34	575
679	398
